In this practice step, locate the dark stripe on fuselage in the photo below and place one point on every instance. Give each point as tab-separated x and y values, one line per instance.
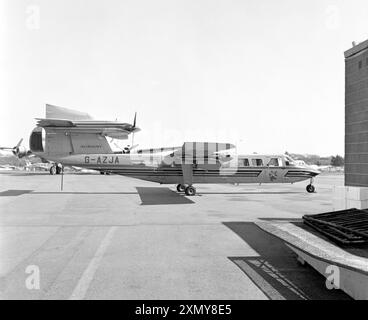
213	173
300	174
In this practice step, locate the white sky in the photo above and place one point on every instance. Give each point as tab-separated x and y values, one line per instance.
267	75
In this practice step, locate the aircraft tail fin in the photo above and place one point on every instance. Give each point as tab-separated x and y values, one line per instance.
54	112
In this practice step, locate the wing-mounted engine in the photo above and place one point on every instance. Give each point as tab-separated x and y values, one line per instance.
205	152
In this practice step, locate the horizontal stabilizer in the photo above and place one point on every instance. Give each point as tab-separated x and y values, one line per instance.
54	123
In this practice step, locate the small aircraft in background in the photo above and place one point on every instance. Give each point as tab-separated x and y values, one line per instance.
41	166
18	150
7	167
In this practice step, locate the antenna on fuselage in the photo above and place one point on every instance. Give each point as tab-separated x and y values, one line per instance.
132	146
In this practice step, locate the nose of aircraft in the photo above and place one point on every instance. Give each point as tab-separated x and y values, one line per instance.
314	172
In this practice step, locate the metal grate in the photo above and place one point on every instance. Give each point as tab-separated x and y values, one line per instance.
345	226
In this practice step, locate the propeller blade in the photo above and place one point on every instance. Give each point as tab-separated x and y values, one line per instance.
133	146
19	143
135	120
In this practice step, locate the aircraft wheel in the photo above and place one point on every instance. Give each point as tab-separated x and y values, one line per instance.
180	188
101	172
310	188
190	191
53	170
58	169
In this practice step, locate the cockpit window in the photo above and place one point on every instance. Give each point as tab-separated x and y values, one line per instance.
289	161
274	162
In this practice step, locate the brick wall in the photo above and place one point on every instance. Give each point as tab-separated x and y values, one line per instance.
356	115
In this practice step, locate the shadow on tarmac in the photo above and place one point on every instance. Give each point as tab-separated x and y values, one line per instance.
276	270
79	192
14	193
159	196
148	195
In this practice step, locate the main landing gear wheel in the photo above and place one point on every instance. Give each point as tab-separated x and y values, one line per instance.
190	191
180	188
59	168
310	188
53	170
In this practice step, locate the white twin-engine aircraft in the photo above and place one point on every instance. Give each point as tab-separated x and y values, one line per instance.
83	143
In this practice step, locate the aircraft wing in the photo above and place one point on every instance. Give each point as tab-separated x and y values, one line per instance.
113	129
115	133
54	123
165	150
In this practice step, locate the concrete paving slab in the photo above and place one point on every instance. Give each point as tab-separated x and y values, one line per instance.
163	245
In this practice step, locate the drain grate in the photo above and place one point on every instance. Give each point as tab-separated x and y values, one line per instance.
345	226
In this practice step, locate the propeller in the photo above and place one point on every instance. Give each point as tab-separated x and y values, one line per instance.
133	146
135	120
15	150
132	129
18	151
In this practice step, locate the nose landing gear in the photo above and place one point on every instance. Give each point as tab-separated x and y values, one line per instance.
310	187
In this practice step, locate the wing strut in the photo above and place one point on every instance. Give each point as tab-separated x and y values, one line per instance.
187	174
186	186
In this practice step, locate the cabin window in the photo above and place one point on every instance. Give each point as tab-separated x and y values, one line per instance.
257	162
360	64
243	163
274	162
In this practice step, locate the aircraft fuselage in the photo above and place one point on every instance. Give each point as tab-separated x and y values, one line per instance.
166	170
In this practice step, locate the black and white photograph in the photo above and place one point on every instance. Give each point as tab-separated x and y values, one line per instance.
184	155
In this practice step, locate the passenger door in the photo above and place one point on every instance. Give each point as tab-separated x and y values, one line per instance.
273	171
